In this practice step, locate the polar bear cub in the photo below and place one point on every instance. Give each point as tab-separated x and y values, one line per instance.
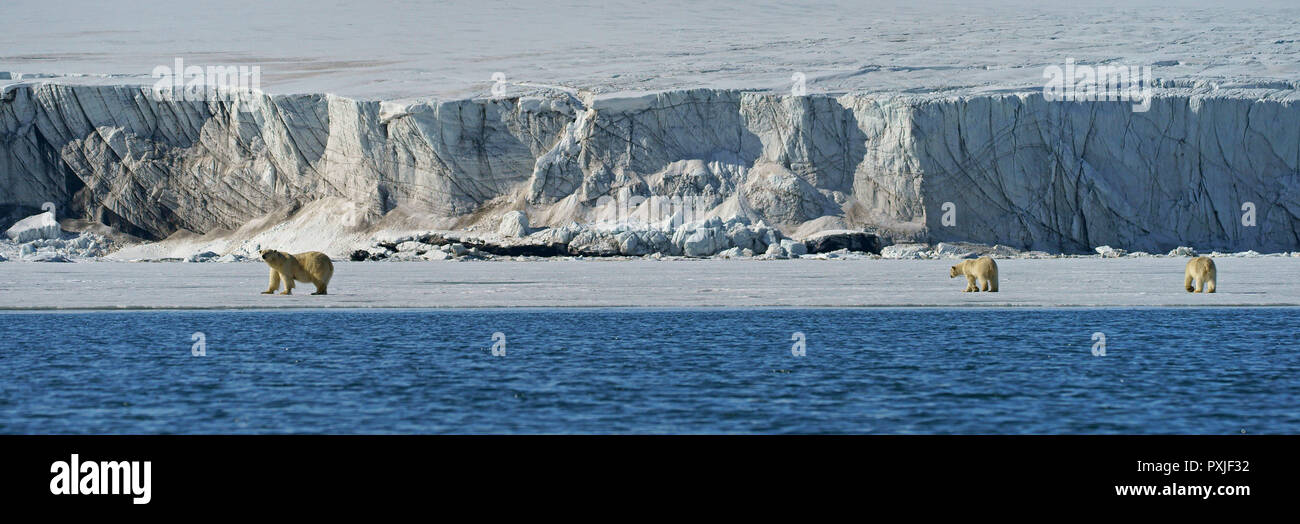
982	271
312	266
1200	271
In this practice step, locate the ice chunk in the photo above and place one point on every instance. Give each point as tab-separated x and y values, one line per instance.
206	256
47	256
793	248
513	224
705	241
35	227
905	251
1110	252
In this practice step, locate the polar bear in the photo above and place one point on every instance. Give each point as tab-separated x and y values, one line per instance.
983	269
1200	271
312	266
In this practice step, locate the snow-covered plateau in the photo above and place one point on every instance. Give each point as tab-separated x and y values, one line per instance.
910	130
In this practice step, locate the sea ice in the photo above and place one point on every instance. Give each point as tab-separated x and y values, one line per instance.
804	282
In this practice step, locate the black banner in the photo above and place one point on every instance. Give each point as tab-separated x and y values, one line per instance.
154	472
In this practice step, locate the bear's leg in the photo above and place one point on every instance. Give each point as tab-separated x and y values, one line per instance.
970	284
1200	285
275	283
288	285
320	287
993	284
984	284
1187	283
1209	286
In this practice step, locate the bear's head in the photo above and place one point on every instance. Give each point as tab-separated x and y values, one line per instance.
952	273
273	256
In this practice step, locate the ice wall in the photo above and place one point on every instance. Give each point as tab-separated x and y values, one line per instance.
1017	169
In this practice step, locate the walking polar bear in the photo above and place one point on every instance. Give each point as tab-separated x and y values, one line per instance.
312	266
982	271
1200	271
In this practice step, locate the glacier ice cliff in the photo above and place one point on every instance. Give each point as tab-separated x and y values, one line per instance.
1016	169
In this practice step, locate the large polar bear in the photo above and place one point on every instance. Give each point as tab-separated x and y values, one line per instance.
1200	271
312	266
983	269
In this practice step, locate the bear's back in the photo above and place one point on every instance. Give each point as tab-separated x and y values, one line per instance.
983	266
1200	266
316	263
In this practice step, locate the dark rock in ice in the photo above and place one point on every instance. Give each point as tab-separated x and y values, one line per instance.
837	240
519	250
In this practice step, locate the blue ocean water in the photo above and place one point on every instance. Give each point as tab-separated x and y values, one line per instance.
653	371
